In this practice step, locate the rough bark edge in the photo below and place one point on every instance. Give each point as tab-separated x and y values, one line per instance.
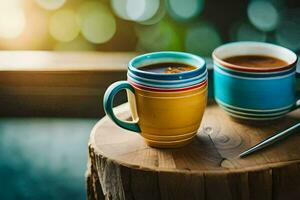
108	179
93	186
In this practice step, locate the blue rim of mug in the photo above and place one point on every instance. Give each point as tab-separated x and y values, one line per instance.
250	110
251	69
255	74
157	83
175	56
176	85
129	73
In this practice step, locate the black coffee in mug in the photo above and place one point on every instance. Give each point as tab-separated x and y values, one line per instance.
256	61
167	68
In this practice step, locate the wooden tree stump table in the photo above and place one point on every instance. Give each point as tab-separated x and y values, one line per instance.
122	166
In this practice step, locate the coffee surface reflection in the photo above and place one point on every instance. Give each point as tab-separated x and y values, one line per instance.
256	61
167	68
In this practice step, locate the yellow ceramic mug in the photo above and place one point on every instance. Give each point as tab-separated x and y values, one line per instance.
165	117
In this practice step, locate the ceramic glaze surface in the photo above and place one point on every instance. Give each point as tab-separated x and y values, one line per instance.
254	93
167	109
170	116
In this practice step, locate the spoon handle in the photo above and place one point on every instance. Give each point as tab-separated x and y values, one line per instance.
270	140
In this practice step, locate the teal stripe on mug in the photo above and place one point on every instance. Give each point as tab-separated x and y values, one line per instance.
252	117
254	114
256	93
168	84
163	82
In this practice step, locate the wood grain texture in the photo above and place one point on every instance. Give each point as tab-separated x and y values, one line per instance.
208	168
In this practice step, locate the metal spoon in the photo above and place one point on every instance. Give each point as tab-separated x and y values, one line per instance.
270	140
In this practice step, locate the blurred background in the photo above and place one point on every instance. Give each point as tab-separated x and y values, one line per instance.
196	26
45	158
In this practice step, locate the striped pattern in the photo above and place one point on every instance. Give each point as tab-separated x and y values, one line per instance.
167	84
160	82
197	86
254	93
163	57
255	74
251	114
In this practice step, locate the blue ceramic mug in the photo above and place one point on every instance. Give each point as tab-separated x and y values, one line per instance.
255	93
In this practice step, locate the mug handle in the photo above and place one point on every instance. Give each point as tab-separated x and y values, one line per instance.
297	103
108	99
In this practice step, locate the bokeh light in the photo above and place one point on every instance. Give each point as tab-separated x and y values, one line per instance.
109	25
141	10
247	32
98	25
161	36
50	4
159	15
288	32
202	39
136	10
119	8
185	10
263	15
64	25
12	19
78	44
35	35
